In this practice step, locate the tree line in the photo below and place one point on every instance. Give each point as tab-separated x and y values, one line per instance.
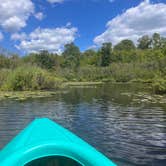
123	62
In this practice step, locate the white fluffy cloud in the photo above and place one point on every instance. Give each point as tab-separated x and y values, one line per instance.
19	36
146	18
55	1
39	16
15	13
52	40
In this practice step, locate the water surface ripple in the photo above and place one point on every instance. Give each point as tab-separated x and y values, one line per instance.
130	134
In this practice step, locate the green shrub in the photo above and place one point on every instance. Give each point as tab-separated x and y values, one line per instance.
3	76
30	78
91	73
159	85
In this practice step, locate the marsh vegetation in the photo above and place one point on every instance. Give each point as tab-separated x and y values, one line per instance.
124	62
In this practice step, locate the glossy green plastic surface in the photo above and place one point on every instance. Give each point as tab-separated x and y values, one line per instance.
44	138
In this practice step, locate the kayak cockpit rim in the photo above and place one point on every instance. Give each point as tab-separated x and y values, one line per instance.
54	158
27	154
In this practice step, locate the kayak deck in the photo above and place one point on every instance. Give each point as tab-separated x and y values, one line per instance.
45	138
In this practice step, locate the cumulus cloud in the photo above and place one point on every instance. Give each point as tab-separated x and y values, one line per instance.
14	14
39	16
52	40
146	18
55	1
19	36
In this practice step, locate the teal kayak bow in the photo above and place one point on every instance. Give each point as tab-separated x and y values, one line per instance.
44	138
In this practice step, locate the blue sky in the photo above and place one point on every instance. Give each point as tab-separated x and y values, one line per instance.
32	25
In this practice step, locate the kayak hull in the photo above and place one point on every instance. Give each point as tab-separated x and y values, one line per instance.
44	138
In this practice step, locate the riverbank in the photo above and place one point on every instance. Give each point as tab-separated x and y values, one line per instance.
147	96
24	95
82	84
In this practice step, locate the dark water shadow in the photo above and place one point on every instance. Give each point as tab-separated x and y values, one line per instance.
53	161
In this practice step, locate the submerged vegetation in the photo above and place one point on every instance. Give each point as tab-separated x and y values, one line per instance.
24	95
124	62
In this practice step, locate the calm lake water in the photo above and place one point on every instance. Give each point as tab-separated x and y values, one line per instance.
129	131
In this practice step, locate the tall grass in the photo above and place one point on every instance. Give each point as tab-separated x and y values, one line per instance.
26	78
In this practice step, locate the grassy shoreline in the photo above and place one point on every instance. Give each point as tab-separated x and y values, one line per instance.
148	97
24	95
90	83
33	94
